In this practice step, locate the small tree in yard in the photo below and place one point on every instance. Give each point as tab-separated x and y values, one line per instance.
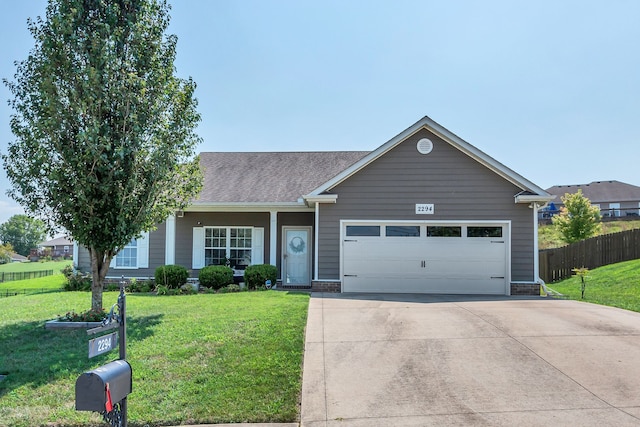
105	141
578	220
6	252
582	273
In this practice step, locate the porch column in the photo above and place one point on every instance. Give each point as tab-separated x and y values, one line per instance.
273	237
170	238
316	245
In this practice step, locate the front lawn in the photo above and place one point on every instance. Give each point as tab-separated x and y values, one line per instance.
617	285
214	358
56	266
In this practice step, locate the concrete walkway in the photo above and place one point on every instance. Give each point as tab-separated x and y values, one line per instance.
420	360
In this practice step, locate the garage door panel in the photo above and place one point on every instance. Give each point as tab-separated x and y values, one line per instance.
446	285
459	265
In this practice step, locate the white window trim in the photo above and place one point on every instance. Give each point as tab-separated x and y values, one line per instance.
198	245
227	242
142	254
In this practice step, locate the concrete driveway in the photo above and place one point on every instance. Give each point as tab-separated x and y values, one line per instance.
424	360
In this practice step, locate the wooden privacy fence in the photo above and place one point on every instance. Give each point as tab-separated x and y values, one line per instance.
24	275
556	264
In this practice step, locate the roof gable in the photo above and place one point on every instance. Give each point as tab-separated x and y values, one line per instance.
530	191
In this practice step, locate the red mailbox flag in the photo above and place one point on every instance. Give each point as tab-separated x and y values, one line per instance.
109	404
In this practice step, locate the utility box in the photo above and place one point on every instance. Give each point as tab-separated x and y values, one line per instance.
97	390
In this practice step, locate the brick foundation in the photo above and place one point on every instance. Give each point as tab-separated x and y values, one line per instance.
318	286
525	289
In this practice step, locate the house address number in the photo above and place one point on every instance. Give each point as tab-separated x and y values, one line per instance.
102	344
425	208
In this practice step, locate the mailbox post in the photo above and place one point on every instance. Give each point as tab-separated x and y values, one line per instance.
105	389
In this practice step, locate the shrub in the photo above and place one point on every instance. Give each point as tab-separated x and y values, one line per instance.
187	289
111	287
256	275
230	288
215	276
171	276
76	280
87	316
162	290
138	286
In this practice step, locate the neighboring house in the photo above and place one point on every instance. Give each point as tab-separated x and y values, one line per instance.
613	198
18	258
60	247
426	212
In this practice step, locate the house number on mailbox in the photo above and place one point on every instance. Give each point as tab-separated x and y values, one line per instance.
424	208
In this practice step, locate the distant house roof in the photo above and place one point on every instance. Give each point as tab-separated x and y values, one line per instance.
600	191
58	241
269	177
18	258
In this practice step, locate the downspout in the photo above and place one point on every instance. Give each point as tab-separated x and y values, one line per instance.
536	253
536	249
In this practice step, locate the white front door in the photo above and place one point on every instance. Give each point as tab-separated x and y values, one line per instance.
296	255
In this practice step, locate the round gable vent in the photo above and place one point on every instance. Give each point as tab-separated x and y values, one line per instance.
425	146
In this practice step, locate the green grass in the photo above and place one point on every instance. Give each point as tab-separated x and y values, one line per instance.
40	284
14	267
616	285
37	285
548	237
223	358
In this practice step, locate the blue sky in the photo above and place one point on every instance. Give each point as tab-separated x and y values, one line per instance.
551	89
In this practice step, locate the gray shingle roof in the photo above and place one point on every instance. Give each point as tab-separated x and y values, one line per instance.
269	177
58	241
600	191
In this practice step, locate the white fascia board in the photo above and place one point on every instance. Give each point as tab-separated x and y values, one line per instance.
532	198
446	135
248	207
312	200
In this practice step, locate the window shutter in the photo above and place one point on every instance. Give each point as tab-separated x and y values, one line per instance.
197	260
143	250
257	243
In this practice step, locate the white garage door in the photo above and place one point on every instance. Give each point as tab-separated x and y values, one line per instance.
465	258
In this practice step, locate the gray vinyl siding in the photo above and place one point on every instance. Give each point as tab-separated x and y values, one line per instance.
157	244
184	231
460	188
156	257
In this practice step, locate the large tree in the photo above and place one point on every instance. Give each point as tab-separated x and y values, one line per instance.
578	219
105	132
23	233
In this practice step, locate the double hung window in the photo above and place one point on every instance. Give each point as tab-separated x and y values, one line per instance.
232	243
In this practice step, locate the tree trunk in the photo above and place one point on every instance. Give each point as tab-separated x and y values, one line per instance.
99	267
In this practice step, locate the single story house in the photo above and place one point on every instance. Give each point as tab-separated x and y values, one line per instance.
614	198
426	212
60	247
